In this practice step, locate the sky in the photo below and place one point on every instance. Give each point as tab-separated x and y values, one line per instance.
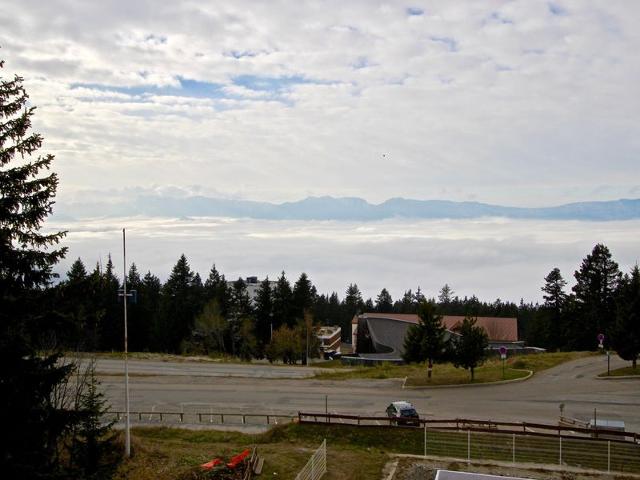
522	103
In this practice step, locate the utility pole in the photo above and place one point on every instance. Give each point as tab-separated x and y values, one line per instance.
127	434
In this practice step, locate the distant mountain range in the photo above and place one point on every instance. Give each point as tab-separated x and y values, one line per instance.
343	208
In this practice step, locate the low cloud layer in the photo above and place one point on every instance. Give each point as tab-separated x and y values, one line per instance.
491	258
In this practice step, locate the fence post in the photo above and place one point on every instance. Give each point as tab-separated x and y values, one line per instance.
608	456
468	446
513	448
560	457
425	439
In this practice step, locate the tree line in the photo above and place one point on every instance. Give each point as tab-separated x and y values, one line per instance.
188	315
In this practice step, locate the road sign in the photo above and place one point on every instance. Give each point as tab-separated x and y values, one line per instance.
601	340
503	352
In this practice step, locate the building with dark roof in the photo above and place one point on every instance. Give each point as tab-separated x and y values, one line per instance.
381	335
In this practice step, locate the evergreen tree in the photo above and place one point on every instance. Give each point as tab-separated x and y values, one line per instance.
215	288
596	283
112	327
178	309
405	305
27	255
554	309
625	336
384	302
446	294
282	299
470	349
264	315
425	340
149	299
94	439
77	272
239	312
303	296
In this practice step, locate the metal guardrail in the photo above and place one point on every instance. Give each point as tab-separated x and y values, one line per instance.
475	425
217	418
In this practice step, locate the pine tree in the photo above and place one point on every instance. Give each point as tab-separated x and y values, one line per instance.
282	298
27	255
264	315
625	335
384	302
446	295
470	349
425	341
303	296
94	438
178	309
596	283
554	309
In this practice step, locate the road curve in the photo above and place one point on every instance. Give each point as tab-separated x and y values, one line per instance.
264	388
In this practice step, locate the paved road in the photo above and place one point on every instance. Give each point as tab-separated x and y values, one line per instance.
263	389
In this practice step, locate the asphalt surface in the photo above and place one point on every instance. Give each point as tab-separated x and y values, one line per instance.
172	386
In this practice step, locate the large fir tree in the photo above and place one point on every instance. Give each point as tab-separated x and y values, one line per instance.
27	189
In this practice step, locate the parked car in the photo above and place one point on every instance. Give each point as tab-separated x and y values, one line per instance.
403	413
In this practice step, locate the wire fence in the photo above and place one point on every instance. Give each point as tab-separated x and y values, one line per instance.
316	467
467	440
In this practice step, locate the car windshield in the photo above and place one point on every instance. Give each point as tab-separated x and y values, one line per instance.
408	412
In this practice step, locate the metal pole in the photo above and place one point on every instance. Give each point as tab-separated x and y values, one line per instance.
326	407
127	434
608	363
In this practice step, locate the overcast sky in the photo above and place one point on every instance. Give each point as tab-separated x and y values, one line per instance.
522	103
514	102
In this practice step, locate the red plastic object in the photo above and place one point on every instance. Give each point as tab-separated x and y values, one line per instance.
238	459
211	464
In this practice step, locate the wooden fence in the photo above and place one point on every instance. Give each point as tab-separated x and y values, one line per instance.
475	425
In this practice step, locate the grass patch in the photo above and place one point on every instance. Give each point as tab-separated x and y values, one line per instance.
622	372
447	374
353	452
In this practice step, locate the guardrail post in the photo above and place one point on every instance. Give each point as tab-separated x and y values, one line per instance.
221	418
513	449
244	419
608	456
160	416
139	415
199	418
267	419
468	446
560	456
181	417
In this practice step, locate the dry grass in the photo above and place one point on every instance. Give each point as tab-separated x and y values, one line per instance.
447	374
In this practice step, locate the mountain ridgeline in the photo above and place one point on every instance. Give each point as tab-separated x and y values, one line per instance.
348	208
